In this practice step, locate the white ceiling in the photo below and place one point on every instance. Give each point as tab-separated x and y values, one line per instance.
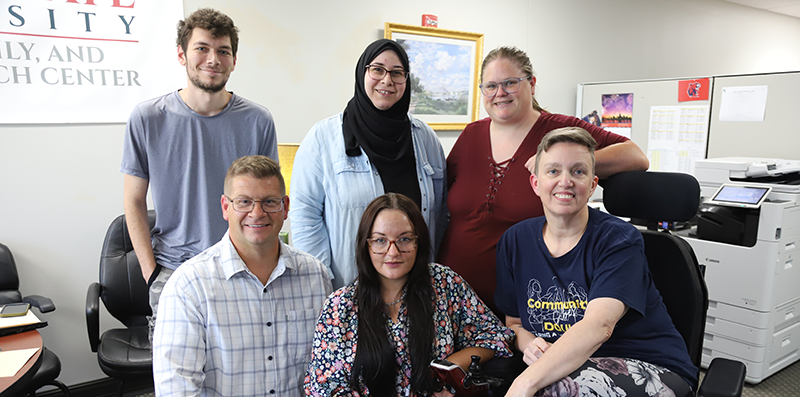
785	7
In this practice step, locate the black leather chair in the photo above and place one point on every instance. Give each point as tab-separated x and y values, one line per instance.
50	366
656	199
123	353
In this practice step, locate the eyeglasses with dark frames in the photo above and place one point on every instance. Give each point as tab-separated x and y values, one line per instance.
377	72
270	204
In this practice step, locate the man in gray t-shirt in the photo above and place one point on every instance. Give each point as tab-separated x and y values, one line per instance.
180	145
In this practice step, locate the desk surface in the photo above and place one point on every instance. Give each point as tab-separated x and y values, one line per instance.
24	340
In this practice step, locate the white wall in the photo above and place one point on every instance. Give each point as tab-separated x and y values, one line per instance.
580	41
60	190
61	187
301	64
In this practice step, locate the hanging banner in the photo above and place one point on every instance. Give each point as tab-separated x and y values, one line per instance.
85	61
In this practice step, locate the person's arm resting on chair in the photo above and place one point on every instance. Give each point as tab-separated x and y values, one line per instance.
549	363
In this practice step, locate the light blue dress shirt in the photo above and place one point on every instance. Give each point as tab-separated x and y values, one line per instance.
221	332
330	190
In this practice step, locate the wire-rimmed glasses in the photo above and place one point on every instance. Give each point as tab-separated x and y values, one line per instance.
381	245
270	204
510	86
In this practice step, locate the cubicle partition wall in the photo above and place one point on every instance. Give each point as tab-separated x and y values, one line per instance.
777	136
753	294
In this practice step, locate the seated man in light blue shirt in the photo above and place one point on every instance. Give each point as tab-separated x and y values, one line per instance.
238	319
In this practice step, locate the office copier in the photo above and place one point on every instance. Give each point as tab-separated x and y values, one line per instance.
750	248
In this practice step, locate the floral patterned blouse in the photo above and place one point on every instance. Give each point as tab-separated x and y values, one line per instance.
462	320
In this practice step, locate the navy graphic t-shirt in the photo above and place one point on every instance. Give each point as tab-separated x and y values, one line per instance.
549	294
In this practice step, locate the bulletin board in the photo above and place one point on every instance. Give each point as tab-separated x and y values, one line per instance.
648	96
776	136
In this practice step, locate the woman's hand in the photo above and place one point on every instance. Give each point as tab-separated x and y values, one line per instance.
571	350
522	387
534	350
531	164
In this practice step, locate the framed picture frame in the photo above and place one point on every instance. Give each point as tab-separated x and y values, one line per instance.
445	71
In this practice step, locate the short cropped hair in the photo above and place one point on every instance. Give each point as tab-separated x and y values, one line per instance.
565	135
257	166
217	23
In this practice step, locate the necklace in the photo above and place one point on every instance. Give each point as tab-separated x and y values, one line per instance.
398	300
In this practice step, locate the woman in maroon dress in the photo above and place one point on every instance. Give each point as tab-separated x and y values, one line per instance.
487	175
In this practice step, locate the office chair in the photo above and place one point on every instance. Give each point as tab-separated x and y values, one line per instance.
9	293
651	199
123	353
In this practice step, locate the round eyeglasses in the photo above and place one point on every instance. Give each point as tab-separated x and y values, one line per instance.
510	86
247	205
377	72
381	245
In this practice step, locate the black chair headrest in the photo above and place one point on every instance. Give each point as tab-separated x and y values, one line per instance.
652	196
9	278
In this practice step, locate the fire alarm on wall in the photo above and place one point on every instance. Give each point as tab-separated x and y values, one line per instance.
430	20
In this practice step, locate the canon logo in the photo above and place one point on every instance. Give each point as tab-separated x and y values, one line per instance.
712	260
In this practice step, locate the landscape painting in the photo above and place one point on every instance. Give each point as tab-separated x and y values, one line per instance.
444	73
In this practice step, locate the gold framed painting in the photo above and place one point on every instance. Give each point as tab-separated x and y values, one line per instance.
445	71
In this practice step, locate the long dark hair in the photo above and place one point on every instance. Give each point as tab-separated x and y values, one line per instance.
375	356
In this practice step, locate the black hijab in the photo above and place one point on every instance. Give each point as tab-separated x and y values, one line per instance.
384	135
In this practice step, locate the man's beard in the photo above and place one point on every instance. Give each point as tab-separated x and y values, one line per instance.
211	89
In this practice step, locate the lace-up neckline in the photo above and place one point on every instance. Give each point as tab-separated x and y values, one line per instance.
497	171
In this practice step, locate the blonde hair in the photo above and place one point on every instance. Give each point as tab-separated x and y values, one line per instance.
519	58
257	166
569	135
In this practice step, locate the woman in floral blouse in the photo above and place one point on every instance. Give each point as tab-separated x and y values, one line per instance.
412	312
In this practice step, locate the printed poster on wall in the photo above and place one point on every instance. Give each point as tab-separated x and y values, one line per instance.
677	137
617	114
85	61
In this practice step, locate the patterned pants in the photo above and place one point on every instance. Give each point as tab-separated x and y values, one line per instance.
618	377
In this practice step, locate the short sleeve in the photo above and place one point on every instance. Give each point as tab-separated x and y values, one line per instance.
134	147
270	144
603	137
620	268
505	294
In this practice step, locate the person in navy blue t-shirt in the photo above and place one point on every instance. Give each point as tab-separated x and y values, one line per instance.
576	289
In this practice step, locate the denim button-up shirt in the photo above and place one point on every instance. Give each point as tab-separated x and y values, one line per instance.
330	190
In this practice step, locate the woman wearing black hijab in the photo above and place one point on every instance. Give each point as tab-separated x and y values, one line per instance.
373	147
